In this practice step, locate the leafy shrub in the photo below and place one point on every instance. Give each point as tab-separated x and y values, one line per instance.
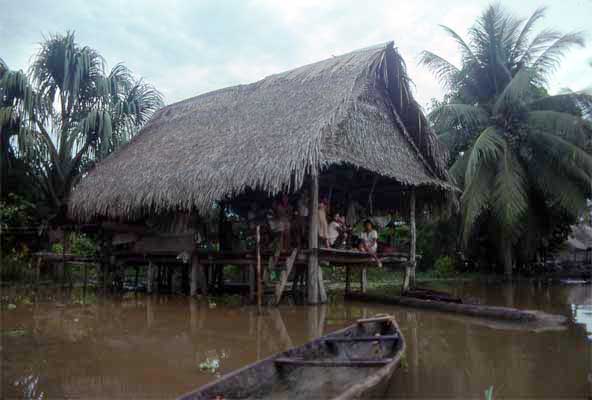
444	267
80	245
15	211
434	240
16	265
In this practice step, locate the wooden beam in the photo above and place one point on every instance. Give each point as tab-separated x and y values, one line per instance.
364	280
409	280
347	279
194	275
259	286
361	338
150	277
313	240
336	363
284	277
378	318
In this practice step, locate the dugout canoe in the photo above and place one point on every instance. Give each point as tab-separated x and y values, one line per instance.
354	362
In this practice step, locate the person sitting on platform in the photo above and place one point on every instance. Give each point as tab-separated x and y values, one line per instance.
323	226
275	228
369	241
284	214
335	231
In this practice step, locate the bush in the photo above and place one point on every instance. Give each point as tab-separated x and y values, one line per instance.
435	240
80	245
16	265
445	267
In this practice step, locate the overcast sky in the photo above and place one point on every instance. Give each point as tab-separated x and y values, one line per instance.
190	47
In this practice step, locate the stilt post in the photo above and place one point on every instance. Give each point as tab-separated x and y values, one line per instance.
259	286
313	241
194	275
363	280
409	281
150	277
347	279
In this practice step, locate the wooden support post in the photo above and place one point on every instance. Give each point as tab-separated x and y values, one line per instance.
347	279
150	277
85	275
193	311
259	286
279	290
409	281
252	284
313	241
62	269
38	270
194	275
363	280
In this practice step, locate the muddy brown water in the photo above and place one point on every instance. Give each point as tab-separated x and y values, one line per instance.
63	345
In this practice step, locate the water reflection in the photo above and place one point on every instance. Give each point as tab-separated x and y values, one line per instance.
64	345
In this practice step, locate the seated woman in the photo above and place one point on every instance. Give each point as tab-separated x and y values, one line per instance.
369	241
336	231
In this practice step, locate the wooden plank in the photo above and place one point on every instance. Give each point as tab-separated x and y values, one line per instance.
333	363
227	261
284	277
381	318
361	338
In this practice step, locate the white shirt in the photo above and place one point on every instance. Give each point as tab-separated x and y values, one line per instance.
334	227
368	238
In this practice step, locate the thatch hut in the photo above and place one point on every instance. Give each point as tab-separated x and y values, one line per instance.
350	121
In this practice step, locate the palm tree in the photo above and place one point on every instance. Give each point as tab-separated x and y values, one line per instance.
70	113
514	147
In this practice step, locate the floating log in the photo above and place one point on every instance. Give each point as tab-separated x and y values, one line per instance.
428	294
472	310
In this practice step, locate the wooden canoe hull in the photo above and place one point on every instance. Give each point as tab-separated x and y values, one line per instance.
310	366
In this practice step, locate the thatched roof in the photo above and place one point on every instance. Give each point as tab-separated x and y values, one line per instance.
356	108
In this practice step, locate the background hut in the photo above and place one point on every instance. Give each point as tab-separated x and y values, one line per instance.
349	121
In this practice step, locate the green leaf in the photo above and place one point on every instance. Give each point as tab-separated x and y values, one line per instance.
487	150
515	93
510	198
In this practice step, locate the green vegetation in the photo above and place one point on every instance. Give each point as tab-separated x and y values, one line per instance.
521	156
64	115
79	244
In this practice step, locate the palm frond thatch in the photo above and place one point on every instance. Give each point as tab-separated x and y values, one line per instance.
356	108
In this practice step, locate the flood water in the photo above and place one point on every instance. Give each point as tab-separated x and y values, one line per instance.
64	345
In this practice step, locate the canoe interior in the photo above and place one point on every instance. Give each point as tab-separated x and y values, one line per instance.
323	368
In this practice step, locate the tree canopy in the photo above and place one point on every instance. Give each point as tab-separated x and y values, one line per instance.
67	113
517	151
